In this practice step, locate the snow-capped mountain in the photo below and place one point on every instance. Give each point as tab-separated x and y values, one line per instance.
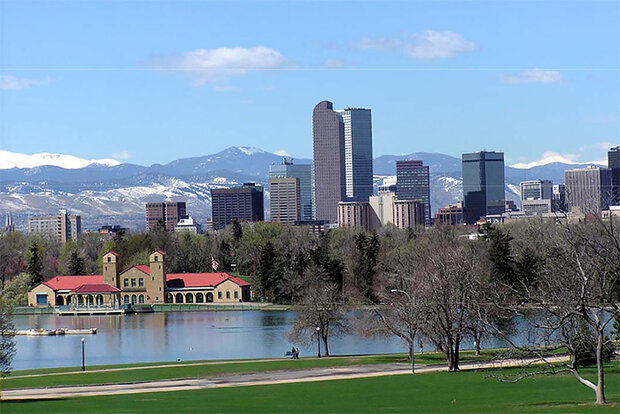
16	160
115	193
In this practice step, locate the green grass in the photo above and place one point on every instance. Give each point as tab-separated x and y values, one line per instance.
462	392
198	371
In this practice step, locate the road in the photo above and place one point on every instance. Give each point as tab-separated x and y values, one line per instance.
249	379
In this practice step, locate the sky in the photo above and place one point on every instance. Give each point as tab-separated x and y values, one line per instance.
147	81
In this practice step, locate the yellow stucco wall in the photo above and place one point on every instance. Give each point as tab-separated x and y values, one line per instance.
32	295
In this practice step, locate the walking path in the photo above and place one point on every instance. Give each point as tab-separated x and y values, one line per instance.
249	379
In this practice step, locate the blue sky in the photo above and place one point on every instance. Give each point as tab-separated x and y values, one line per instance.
153	81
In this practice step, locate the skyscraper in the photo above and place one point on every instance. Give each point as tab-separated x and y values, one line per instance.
613	162
483	184
329	169
357	153
413	183
536	197
243	203
303	172
284	199
342	158
167	213
62	227
588	188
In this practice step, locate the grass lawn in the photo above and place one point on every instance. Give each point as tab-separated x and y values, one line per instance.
197	371
467	391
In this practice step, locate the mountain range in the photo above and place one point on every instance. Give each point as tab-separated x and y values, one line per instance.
110	192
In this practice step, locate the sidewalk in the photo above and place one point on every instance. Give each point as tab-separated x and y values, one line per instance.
250	379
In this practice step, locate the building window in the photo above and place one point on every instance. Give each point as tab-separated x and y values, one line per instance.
133	282
141	299
236	294
126	300
228	294
133	299
219	295
125	282
140	282
109	259
156	259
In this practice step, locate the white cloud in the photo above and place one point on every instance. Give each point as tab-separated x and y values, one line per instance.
10	82
283	153
121	155
216	65
428	45
535	76
551	157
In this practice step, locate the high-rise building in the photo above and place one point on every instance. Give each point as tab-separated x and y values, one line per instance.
9	227
354	214
342	158
284	199
382	206
243	203
536	197
450	215
62	227
188	225
165	213
588	188
613	162
483	184
303	172
558	198
357	153
408	214
413	183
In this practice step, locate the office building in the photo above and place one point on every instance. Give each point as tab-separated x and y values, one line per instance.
166	214
62	227
357	153
354	214
536	197
303	172
408	213
188	225
451	215
613	162
284	199
588	188
483	184
342	158
381	209
413	183
558	198
243	203
9	226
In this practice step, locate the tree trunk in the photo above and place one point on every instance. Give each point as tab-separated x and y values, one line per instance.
600	385
477	347
325	345
410	356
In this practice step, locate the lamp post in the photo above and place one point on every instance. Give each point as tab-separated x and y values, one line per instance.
83	366
318	341
410	324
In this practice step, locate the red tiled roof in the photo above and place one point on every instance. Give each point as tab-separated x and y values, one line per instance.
96	288
144	268
72	282
201	279
160	252
113	252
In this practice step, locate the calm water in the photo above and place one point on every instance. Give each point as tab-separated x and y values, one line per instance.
167	336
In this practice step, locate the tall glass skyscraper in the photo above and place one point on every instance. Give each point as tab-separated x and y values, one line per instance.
413	183
483	184
342	158
303	172
613	162
357	153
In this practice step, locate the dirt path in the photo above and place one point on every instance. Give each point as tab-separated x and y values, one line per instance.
248	379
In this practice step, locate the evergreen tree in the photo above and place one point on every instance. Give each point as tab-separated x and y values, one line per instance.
528	267
364	269
34	264
237	231
76	264
269	270
500	254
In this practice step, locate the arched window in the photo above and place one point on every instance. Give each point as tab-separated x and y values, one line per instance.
179	298
209	297
126	299
69	300
200	298
189	298
133	299
228	294
90	299
99	300
60	301
169	298
141	299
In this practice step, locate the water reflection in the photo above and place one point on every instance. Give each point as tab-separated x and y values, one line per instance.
177	335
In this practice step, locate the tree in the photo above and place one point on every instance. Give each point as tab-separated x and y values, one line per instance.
320	307
367	249
500	255
237	231
269	271
7	343
34	264
574	300
76	263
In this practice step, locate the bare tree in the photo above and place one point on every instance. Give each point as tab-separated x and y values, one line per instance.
321	306
7	343
572	301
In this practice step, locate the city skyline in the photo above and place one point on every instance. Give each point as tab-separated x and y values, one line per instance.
438	77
